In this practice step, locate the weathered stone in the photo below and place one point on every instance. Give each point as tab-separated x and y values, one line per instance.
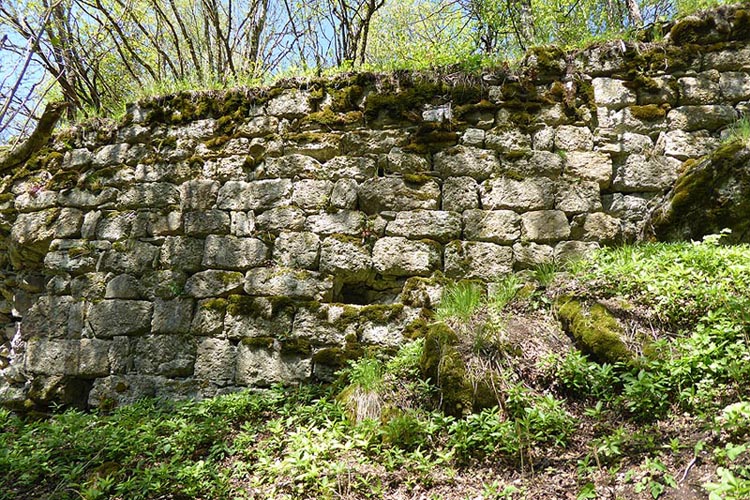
163	284
423	292
69	261
31	236
52	357
93	358
418	224
312	194
285	282
660	90
536	163
496	226
48	317
529	255
281	219
460	193
35	199
348	167
321	146
598	227
230	252
363	142
735	86
259	126
300	250
168	224
545	226
702	88
396	256
567	251
347	222
728	60
215	361
133	256
214	283
167	355
392	193
344	194
571	138
178	252
689	118
324	326
242	223
647	120
111	318
89	286
110	155
591	166
123	286
683	145
150	194
226	169
294	165
473	137
77	158
466	161
612	93
199	194
476	259
626	142
262	367
399	162
523	195
290	104
642	173
508	142
544	139
254	195
115	225
253	317
346	258
577	197
172	316
206	222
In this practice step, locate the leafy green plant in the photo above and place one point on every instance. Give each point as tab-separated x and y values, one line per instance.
545	273
504	292
739	130
460	301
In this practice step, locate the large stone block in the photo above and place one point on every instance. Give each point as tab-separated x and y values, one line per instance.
392	193
285	282
612	93
111	318
466	161
293	165
166	355
572	138
199	194
178	252
300	250
349	222
460	193
735	86
312	194
396	256
290	104
201	223
591	166
519	195
545	226
684	145
364	142
702	88
131	256
150	194
52	357
689	118
399	162
172	316
215	361
327	326
254	195
230	252
263	367
430	224
577	197
281	219
349	167
253	317
477	259
213	283
509	142
567	251
208	320
346	258
93	358
496	226
642	173
529	255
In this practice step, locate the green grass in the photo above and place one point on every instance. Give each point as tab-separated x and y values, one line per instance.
460	301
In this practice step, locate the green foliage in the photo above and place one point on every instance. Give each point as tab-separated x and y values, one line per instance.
460	301
739	131
504	292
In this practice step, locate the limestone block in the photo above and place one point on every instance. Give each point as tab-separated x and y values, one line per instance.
626	142
91	286
689	118
466	161
734	59
263	367
473	137
35	199
48	317
166	355
230	252
322	145
735	86
123	286
496	226
508	142
166	224
683	145
612	93
397	256
225	169
567	251
111	318
460	193
215	361
80	198
281	219
77	158
349	222
628	206
312	194
285	282
134	256
178	252
242	223
299	250
543	139
325	326
392	193
69	262
349	167
363	142
536	164
213	283
208	320
150	194
399	162
344	194
643	173
294	165
545	226
574	197
598	227
116	225
110	155
197	130
253	317
572	138
477	259
254	195
199	194
259	126
519	195
430	224
552	115
529	255
52	357
422	292
591	166
702	88
172	316
93	358
201	223
346	258
166	284
290	104
645	120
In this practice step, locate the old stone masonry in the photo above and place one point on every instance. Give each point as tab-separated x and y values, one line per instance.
212	241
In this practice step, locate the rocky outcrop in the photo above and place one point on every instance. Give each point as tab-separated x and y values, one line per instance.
213	241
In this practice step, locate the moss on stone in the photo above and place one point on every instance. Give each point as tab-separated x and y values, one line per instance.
431	137
548	58
346	98
258	342
416	329
649	112
339	357
741	25
329	118
217	142
595	330
442	363
419	179
296	346
483	106
380	313
215	304
691	29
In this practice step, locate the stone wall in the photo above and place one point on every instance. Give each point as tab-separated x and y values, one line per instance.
211	241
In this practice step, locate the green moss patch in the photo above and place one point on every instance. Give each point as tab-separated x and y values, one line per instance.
595	330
